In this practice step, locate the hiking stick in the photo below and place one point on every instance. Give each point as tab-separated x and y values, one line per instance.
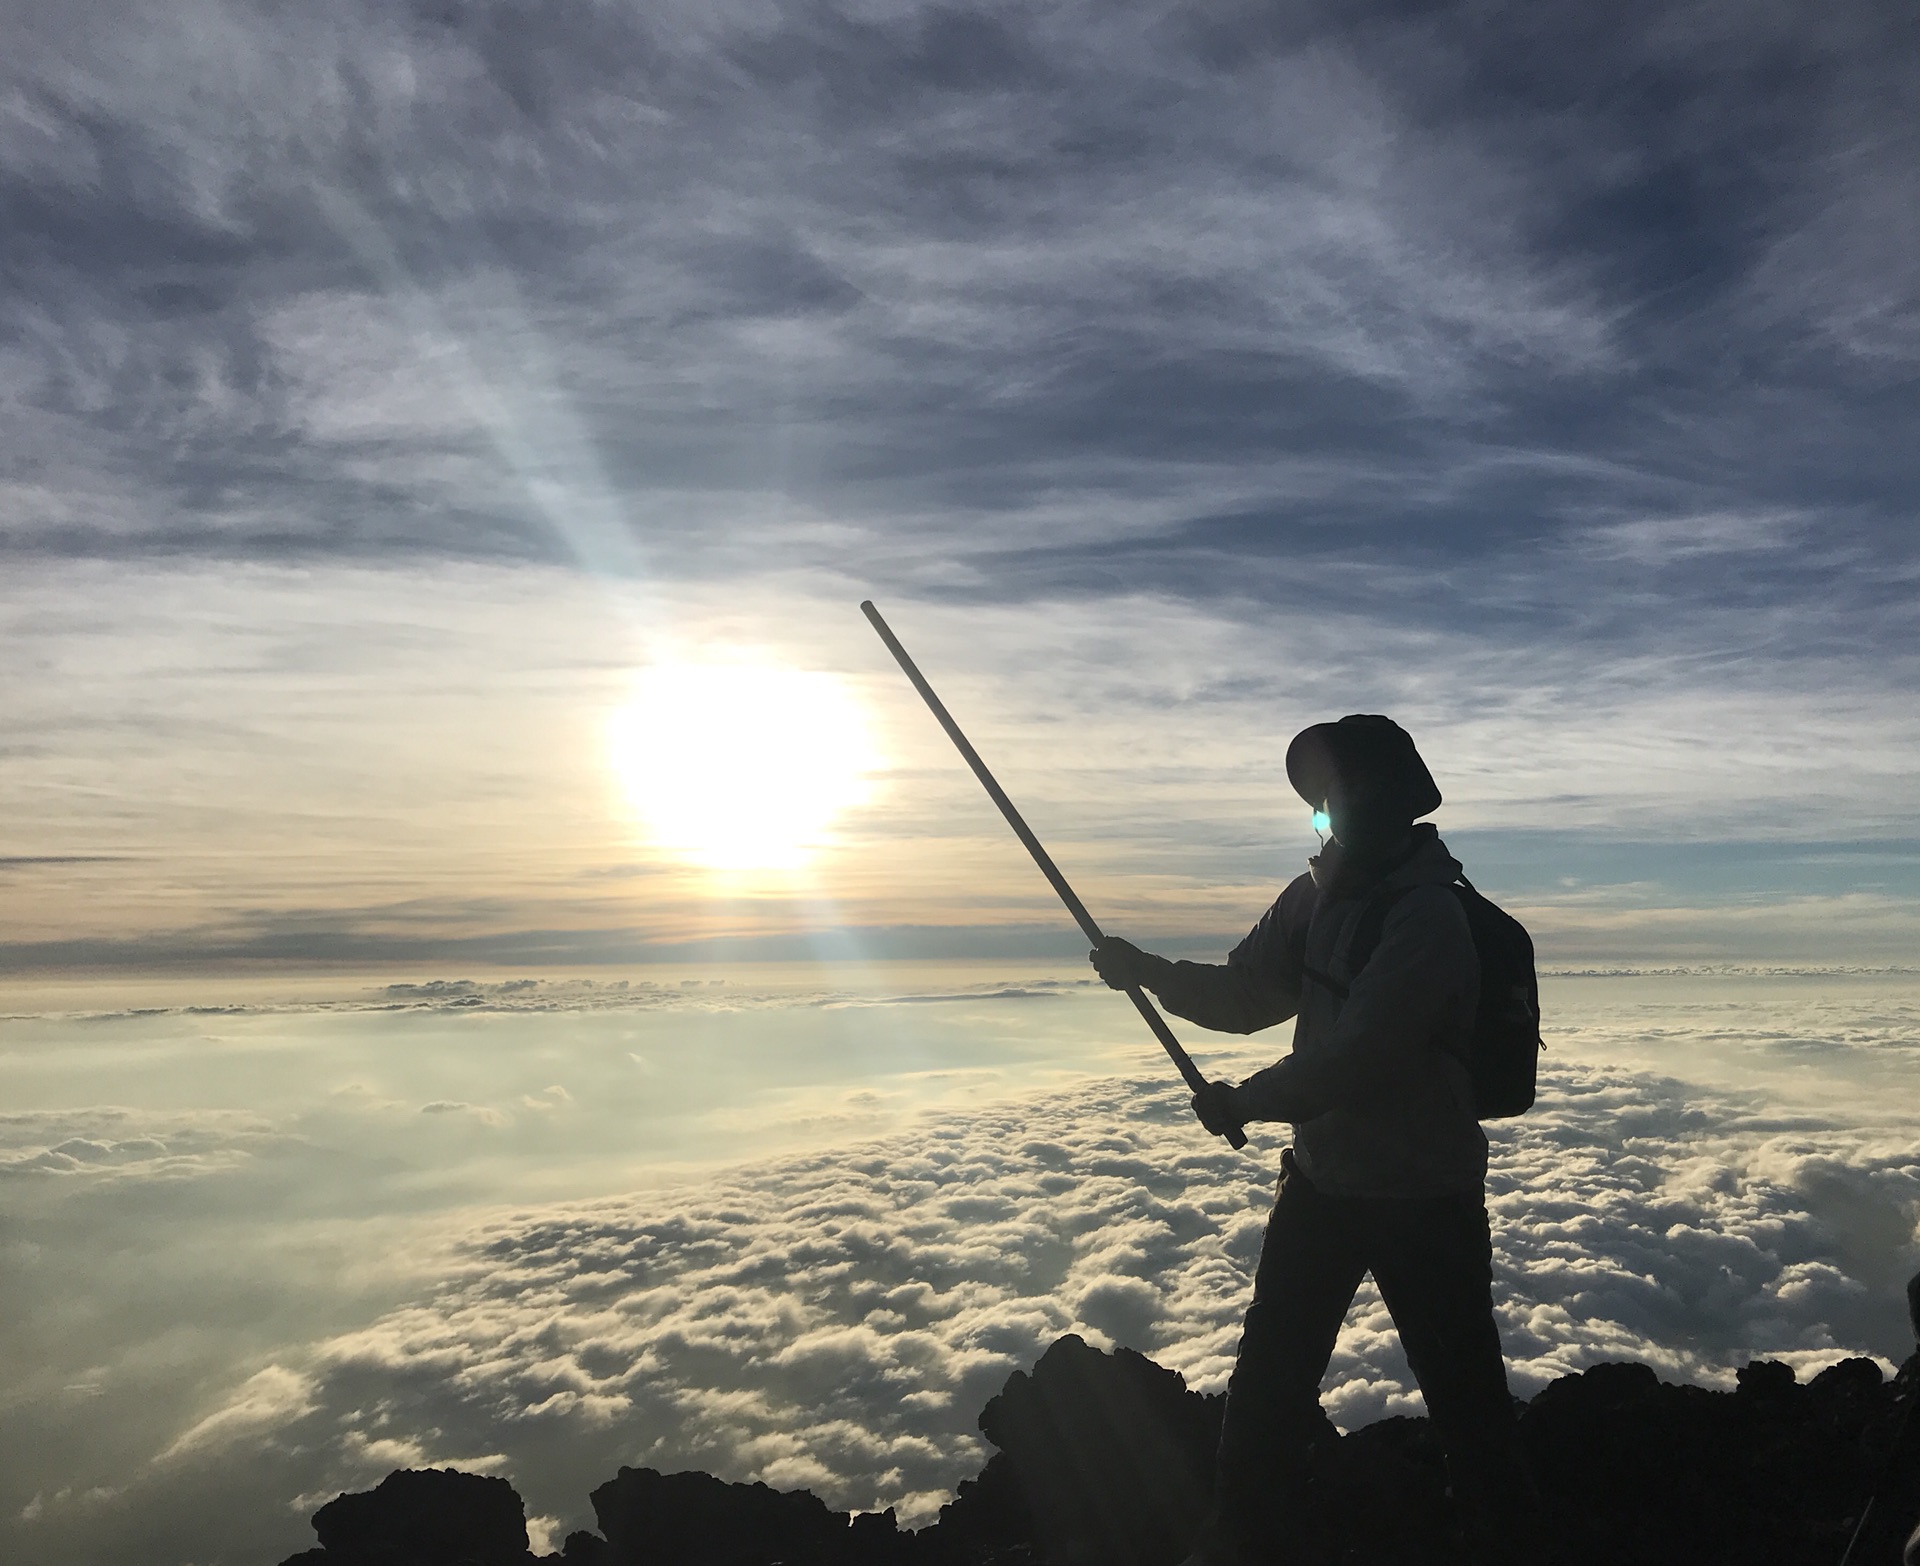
1180	1058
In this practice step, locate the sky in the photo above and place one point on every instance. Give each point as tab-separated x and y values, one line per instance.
497	966
389	388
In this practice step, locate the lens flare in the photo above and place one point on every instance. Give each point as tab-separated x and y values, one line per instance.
1322	822
740	766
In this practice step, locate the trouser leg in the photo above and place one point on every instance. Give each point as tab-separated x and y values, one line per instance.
1433	1262
1310	1266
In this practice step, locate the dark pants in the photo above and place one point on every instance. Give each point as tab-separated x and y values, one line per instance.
1433	1262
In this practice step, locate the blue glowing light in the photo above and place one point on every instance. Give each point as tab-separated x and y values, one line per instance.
1321	821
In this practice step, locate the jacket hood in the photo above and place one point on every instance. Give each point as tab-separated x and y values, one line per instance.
1425	861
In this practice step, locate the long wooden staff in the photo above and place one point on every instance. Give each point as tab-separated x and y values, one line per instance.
1181	1059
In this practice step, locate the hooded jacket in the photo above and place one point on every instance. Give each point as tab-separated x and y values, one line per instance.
1375	1087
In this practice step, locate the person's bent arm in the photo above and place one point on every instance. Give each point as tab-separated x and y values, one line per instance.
1257	986
1424	969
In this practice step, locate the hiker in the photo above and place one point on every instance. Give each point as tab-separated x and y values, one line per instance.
1904	1466
1912	1555
1892	1511
1388	1167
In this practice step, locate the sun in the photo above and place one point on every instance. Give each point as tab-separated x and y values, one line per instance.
740	766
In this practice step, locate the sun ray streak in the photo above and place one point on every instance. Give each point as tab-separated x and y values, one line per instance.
513	397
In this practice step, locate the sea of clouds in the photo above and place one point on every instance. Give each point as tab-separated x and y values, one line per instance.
836	1318
837	1321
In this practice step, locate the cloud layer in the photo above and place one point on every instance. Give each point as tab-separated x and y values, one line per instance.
836	1318
838	1321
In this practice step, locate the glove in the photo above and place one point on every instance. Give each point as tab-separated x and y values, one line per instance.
1215	1106
1125	966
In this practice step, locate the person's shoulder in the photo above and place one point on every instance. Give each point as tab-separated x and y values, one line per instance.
1431	904
1295	906
1300	886
1283	924
1296	898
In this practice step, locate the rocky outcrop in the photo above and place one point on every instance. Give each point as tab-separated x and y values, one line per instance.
423	1517
1102	1460
654	1519
1111	1454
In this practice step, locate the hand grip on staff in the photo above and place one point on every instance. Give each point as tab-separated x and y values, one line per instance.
1182	1061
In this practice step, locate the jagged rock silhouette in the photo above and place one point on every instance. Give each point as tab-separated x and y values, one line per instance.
649	1518
1103	1460
423	1517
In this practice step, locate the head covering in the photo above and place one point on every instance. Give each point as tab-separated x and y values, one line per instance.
1368	755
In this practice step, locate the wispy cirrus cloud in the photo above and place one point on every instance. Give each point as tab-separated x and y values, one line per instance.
268	1400
920	265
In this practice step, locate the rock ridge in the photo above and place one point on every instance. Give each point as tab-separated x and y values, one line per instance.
1102	1459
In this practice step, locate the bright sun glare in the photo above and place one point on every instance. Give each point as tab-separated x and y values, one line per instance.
741	766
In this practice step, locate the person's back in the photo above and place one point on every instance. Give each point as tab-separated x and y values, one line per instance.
1371	954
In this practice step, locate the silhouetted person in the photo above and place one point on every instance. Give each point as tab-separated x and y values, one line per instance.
1388	1168
1911	1454
1895	1505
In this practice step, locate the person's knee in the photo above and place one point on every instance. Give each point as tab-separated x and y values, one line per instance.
1278	1360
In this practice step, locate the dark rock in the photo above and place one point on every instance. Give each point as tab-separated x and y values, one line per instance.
423	1517
1849	1380
1765	1378
692	1519
1112	1454
1380	1494
585	1549
1640	1470
987	1523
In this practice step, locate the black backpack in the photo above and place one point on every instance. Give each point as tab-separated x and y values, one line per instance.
1503	1051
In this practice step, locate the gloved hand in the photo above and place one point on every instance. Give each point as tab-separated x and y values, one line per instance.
1125	966
1214	1104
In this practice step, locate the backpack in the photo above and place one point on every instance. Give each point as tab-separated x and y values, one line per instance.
1503	1051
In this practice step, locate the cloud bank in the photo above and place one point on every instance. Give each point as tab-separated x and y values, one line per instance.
836	1320
400	1250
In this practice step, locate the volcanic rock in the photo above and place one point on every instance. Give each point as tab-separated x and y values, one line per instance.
1103	1460
423	1517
